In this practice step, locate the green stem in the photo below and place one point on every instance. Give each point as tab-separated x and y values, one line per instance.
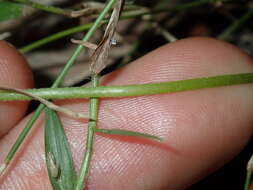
90	138
132	90
248	180
125	15
56	36
57	82
23	134
236	25
249	173
47	8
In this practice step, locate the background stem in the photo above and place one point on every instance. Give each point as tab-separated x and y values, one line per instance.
47	8
125	15
248	180
236	25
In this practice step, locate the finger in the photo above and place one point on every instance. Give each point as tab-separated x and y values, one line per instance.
14	72
201	129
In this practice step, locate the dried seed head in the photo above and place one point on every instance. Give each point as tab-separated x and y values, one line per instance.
99	57
52	166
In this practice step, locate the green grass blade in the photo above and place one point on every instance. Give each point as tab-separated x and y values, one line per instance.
248	180
133	90
59	160
249	174
9	10
43	7
128	133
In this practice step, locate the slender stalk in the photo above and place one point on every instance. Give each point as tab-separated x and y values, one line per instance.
132	90
90	138
47	8
236	25
23	134
55	36
57	82
249	173
248	180
125	15
97	64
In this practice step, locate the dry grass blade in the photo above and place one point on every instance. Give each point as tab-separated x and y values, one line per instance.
99	57
59	160
47	103
88	9
84	43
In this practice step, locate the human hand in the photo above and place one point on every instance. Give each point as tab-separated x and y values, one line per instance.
202	129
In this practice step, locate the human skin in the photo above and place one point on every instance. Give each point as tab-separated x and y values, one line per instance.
202	129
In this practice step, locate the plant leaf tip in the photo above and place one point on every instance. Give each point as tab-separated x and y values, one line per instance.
159	139
2	168
250	164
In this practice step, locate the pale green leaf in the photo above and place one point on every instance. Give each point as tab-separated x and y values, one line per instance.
128	133
59	160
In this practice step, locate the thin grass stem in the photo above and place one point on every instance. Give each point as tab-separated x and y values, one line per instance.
57	82
248	180
132	90
47	8
236	25
125	15
249	173
56	36
93	110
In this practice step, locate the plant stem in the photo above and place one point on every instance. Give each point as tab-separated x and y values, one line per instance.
236	25
248	180
125	15
56	36
249	173
90	137
23	134
132	90
47	8
57	82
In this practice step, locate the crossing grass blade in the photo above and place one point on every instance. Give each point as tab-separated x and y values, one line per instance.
128	133
59	160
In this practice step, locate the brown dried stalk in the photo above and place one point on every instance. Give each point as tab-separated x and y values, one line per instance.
85	44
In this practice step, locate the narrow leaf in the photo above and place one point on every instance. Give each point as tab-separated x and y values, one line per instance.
59	160
9	10
128	133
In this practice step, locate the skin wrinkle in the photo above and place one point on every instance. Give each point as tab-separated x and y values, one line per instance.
107	166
